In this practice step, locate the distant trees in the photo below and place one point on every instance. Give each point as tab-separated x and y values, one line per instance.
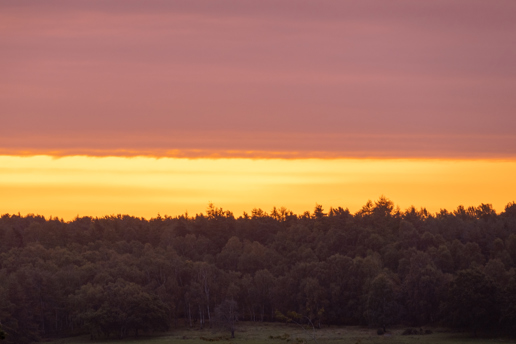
473	301
119	276
119	308
423	289
382	308
508	308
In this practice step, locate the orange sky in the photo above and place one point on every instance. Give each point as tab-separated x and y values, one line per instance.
358	92
142	186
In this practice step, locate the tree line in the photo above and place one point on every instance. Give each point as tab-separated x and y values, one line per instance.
119	276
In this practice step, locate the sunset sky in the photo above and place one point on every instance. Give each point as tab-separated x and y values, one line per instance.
142	107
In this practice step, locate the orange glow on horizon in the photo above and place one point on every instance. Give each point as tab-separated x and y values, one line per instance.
145	186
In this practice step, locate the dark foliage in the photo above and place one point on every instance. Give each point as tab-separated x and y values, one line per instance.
118	276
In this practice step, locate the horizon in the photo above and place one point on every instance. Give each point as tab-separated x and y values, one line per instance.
72	186
265	213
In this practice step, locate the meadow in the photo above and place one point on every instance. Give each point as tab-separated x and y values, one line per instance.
279	333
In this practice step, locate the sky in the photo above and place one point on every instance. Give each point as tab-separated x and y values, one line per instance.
278	82
73	186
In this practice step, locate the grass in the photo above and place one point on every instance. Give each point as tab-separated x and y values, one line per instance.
276	333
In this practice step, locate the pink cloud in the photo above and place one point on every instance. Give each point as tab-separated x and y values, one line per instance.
434	78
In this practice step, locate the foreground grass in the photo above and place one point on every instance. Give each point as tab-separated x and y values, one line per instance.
276	333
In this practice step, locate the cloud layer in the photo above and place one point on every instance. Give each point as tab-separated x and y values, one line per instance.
259	78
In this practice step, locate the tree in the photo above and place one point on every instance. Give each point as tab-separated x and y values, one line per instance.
315	300
264	283
227	259
226	315
318	212
422	290
117	308
508	318
473	301
381	306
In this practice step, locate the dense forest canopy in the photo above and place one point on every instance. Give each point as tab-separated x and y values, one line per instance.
121	275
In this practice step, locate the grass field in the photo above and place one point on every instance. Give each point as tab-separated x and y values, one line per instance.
276	333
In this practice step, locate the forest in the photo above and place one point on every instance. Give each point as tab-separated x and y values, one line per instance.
120	276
